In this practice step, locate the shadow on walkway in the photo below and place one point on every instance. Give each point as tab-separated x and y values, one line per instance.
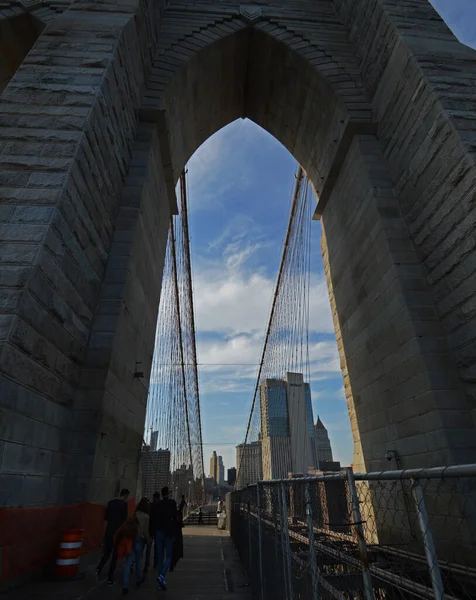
211	570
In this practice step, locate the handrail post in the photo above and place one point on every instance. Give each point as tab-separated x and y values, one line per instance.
260	540
357	519
312	546
430	550
286	543
250	562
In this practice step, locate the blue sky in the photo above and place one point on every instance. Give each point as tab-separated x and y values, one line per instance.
240	184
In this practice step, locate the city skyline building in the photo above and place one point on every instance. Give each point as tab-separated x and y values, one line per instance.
231	476
181	482
287	426
154	470
249	464
322	443
221	471
154	439
276	449
214	467
301	451
217	469
311	427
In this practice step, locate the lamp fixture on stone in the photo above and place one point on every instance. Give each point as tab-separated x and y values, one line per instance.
139	374
393	455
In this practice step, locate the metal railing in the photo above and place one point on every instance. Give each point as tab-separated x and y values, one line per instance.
388	535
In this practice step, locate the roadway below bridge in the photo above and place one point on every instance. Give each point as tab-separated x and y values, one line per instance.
210	570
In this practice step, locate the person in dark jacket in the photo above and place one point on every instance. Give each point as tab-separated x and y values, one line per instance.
116	514
177	548
163	520
181	508
148	551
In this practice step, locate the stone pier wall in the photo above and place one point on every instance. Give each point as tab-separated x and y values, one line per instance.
68	123
402	386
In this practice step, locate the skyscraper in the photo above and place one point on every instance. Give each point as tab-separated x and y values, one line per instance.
322	442
249	464
154	438
154	471
276	449
214	467
221	471
301	453
310	426
287	426
231	476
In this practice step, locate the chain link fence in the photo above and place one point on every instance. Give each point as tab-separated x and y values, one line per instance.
383	536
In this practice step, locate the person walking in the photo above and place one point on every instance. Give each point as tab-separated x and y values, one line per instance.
177	547
141	538
163	525
181	507
148	551
125	537
115	516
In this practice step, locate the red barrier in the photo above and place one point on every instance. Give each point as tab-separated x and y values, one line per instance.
131	506
30	536
69	553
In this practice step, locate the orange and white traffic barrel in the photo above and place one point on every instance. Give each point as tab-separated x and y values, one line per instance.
67	562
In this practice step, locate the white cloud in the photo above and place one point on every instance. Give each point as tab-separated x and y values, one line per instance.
232	305
224	382
230	299
245	351
209	176
232	302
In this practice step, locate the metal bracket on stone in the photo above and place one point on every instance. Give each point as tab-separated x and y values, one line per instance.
251	13
352	129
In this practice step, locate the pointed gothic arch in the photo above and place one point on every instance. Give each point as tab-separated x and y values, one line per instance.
100	118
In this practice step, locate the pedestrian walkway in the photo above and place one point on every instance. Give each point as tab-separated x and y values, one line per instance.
210	570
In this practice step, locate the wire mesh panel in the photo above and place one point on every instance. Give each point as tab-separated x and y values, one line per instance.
374	536
273	580
451	520
391	533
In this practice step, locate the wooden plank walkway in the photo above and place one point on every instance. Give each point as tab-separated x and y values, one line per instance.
210	570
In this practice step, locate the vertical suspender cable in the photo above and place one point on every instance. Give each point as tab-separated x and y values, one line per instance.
183	198
297	189
179	327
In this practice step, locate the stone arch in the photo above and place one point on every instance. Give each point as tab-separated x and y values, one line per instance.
85	163
255	65
244	70
18	33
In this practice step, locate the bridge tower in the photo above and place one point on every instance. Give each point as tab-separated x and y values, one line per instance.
105	103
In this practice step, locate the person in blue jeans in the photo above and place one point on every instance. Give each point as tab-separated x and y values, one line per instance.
135	556
141	539
163	523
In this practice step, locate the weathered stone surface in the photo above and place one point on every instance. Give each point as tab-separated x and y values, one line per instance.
391	353
374	100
